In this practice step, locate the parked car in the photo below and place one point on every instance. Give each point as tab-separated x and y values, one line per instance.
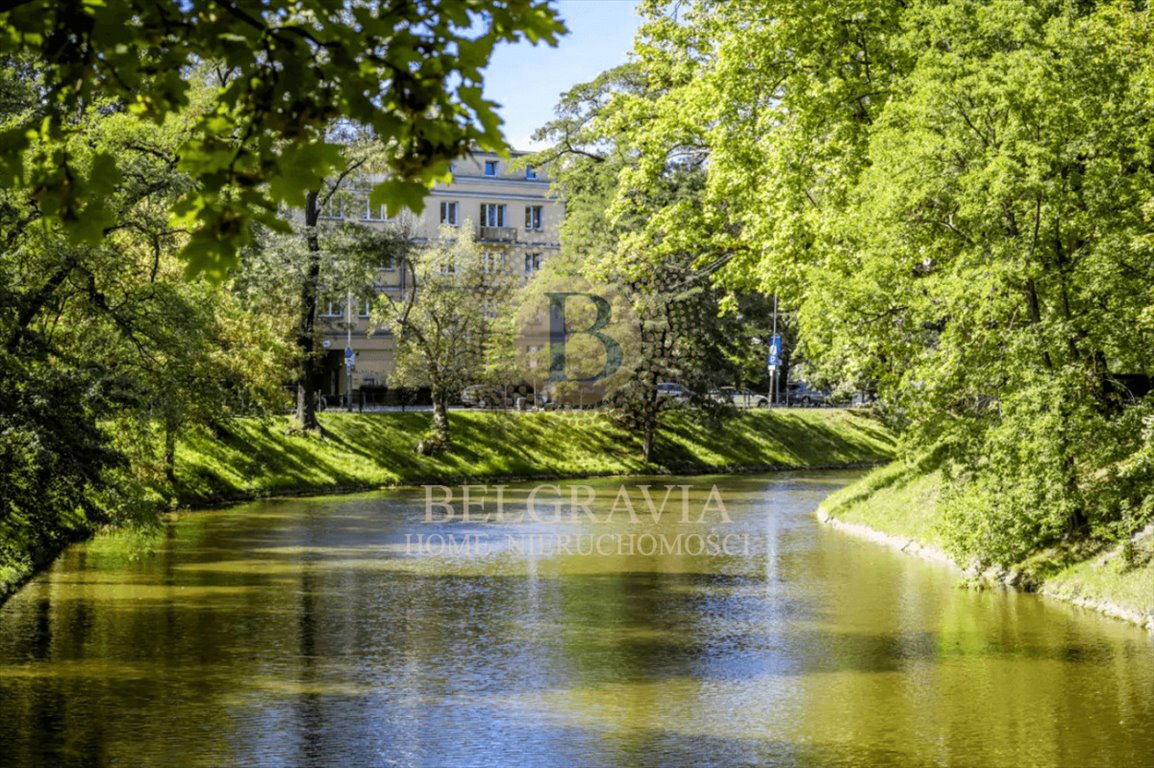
801	393
483	396
674	391
513	396
742	398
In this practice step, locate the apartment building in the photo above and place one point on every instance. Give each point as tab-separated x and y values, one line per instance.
509	211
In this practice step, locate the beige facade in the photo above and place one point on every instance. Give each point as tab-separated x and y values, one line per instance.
511	212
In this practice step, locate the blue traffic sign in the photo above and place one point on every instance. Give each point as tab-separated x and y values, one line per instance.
348	351
774	351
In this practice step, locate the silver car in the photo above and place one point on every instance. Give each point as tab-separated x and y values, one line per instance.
742	398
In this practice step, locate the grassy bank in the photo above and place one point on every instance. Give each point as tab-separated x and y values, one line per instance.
374	450
902	506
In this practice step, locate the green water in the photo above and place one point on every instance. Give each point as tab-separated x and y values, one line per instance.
315	632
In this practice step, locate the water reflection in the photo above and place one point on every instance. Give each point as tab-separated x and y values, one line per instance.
302	633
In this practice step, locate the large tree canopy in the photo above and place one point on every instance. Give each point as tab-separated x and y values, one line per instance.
281	72
959	198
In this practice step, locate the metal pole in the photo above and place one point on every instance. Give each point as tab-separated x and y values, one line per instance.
773	397
349	345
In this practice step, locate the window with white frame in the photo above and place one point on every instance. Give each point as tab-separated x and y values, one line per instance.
329	306
450	213
492	215
490	167
388	263
532	263
530	172
374	212
534	217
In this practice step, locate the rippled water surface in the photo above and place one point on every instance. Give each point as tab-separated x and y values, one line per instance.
314	632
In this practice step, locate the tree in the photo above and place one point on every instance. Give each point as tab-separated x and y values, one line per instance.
957	199
290	273
443	323
632	211
266	82
104	347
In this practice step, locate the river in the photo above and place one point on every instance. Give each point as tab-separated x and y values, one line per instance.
367	630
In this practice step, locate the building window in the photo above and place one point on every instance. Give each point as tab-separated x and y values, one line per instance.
532	263
492	215
534	217
330	307
530	172
493	263
450	214
332	209
364	307
388	263
374	212
490	167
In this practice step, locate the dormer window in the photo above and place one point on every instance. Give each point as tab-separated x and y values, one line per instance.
530	172
490	167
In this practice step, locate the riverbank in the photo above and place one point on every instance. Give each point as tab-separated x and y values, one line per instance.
364	451
899	508
250	458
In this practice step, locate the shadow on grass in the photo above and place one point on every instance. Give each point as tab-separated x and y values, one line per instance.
373	450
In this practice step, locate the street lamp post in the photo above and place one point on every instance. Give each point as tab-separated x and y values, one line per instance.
350	359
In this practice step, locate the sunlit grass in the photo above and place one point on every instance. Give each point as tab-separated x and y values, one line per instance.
372	450
895	500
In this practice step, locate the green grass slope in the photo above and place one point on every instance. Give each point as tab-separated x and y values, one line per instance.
371	450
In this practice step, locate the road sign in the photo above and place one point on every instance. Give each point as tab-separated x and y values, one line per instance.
349	352
774	351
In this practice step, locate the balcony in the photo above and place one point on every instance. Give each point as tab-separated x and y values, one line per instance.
499	234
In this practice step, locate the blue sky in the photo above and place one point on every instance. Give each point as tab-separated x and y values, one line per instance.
527	81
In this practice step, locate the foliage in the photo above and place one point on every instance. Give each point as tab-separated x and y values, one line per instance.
957	199
265	82
290	274
106	352
443	323
140	143
631	221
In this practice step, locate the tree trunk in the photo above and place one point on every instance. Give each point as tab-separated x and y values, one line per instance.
648	437
440	414
33	306
306	415
170	450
